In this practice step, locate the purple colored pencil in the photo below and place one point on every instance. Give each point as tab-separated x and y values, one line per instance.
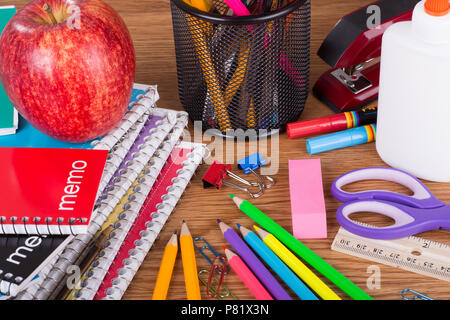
258	268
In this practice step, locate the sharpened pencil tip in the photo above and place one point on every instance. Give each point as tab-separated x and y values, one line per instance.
232	195
256	228
219	221
238	225
224	248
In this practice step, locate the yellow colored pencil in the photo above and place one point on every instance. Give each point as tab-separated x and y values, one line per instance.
297	266
166	269
220	107
203	5
189	264
239	75
251	120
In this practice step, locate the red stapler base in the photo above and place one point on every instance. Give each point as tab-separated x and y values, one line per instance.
341	92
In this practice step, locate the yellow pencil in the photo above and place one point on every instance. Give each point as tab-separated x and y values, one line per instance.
251	120
203	5
197	28
166	268
239	75
296	265
189	264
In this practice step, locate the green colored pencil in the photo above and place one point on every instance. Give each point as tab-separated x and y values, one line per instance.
301	250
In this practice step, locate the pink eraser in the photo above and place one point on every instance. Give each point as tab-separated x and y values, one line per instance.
309	216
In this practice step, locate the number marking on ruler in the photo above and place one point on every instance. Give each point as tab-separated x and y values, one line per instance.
412	254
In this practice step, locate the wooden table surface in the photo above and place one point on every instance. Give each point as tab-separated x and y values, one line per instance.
150	24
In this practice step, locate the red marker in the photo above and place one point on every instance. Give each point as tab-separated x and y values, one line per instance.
336	122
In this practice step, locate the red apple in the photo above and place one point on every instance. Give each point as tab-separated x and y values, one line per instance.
68	66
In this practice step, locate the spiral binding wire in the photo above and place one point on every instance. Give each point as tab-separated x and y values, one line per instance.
158	219
145	103
129	171
94	276
100	215
29	225
126	132
14	286
119	152
31	289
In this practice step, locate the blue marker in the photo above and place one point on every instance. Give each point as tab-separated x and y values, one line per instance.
277	265
343	139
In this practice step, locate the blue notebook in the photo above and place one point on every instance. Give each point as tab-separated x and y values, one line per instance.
8	114
27	136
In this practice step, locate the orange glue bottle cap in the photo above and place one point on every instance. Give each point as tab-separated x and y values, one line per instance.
437	8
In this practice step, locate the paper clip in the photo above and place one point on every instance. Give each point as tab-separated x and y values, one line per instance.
212	250
252	163
224	292
416	295
217	174
219	268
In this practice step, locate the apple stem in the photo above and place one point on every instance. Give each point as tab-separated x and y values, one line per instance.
49	11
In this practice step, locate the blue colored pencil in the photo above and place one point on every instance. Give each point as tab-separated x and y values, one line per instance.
277	265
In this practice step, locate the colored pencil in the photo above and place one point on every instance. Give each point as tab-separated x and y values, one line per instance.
197	29
166	269
297	266
189	264
277	265
253	262
247	276
300	249
202	5
288	67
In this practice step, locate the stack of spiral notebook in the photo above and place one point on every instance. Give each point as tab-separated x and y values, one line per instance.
146	172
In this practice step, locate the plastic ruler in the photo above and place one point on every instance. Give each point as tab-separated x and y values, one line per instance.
413	254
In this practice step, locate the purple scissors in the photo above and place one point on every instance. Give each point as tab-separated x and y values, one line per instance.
412	214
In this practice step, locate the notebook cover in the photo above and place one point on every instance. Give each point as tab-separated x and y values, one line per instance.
48	183
22	257
6	107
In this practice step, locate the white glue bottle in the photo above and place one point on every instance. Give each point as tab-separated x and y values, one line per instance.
413	126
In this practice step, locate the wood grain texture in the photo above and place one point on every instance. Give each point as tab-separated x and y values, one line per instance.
149	22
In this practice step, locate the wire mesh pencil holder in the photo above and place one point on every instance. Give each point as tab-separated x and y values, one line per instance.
248	72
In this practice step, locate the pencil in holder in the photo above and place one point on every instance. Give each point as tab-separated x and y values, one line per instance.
246	72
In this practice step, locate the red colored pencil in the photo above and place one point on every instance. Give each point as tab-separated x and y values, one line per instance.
247	276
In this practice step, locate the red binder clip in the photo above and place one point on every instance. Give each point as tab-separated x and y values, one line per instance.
217	174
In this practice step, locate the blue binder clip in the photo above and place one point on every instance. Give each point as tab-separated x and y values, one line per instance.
252	163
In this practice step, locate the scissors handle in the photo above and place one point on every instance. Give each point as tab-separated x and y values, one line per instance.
421	198
408	221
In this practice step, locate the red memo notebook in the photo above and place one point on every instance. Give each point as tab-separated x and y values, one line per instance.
47	190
